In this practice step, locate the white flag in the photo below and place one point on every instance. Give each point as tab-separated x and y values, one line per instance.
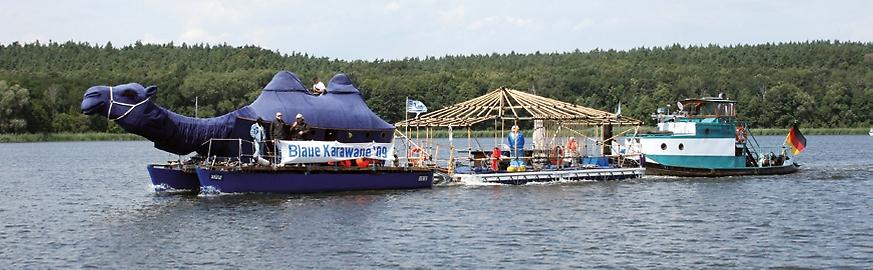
415	106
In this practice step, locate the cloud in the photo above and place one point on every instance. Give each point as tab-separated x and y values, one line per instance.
151	38
518	21
31	37
214	11
396	29
193	34
392	7
584	24
200	35
453	15
498	21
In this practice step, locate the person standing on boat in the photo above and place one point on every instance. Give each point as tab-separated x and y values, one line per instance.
257	132
277	129
516	142
299	130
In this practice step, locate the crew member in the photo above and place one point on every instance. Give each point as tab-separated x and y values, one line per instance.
299	130
277	132
257	132
516	143
495	159
571	150
277	129
317	87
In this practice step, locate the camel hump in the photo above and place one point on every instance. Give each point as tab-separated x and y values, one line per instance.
341	84
285	81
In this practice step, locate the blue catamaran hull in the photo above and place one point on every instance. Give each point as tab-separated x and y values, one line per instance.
173	177
303	180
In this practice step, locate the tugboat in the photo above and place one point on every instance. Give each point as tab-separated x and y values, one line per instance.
704	138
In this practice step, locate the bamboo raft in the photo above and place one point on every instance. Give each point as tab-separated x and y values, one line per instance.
553	121
521	178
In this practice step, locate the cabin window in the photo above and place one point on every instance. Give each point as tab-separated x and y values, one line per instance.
663	146
681	147
383	135
368	135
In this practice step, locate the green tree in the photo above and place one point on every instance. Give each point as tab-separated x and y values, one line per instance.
14	102
70	121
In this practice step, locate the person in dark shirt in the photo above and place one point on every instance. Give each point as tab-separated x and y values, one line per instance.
299	130
277	129
277	132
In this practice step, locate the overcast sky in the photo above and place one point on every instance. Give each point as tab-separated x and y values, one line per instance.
396	29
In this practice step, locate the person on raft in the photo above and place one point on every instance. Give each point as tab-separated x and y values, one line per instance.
516	143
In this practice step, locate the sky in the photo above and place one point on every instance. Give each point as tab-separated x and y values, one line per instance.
390	29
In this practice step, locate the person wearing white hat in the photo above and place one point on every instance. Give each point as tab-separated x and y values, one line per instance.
299	130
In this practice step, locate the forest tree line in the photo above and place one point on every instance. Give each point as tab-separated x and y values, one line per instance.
824	84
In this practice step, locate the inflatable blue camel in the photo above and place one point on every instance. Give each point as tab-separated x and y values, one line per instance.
340	114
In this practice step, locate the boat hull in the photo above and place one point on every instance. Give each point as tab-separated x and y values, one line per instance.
173	177
302	180
659	169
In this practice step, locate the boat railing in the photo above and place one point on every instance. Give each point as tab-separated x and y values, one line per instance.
771	149
548	159
766	156
751	134
241	157
268	155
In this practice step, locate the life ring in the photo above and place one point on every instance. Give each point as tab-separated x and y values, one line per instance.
556	155
741	134
362	163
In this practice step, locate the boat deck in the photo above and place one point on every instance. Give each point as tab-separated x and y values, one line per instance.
520	178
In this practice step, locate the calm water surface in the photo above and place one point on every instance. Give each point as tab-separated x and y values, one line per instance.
89	204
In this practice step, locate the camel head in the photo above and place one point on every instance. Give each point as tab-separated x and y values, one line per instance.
115	102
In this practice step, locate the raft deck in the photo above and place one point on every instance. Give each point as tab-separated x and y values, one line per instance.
520	178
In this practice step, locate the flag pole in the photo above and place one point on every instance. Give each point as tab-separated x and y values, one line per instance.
406	120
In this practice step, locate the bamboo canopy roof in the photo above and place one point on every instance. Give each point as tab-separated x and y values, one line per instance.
508	104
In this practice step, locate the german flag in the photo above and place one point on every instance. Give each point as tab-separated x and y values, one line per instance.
795	140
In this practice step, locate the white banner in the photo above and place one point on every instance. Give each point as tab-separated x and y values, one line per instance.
323	151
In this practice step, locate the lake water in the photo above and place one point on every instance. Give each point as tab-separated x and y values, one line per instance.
89	204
